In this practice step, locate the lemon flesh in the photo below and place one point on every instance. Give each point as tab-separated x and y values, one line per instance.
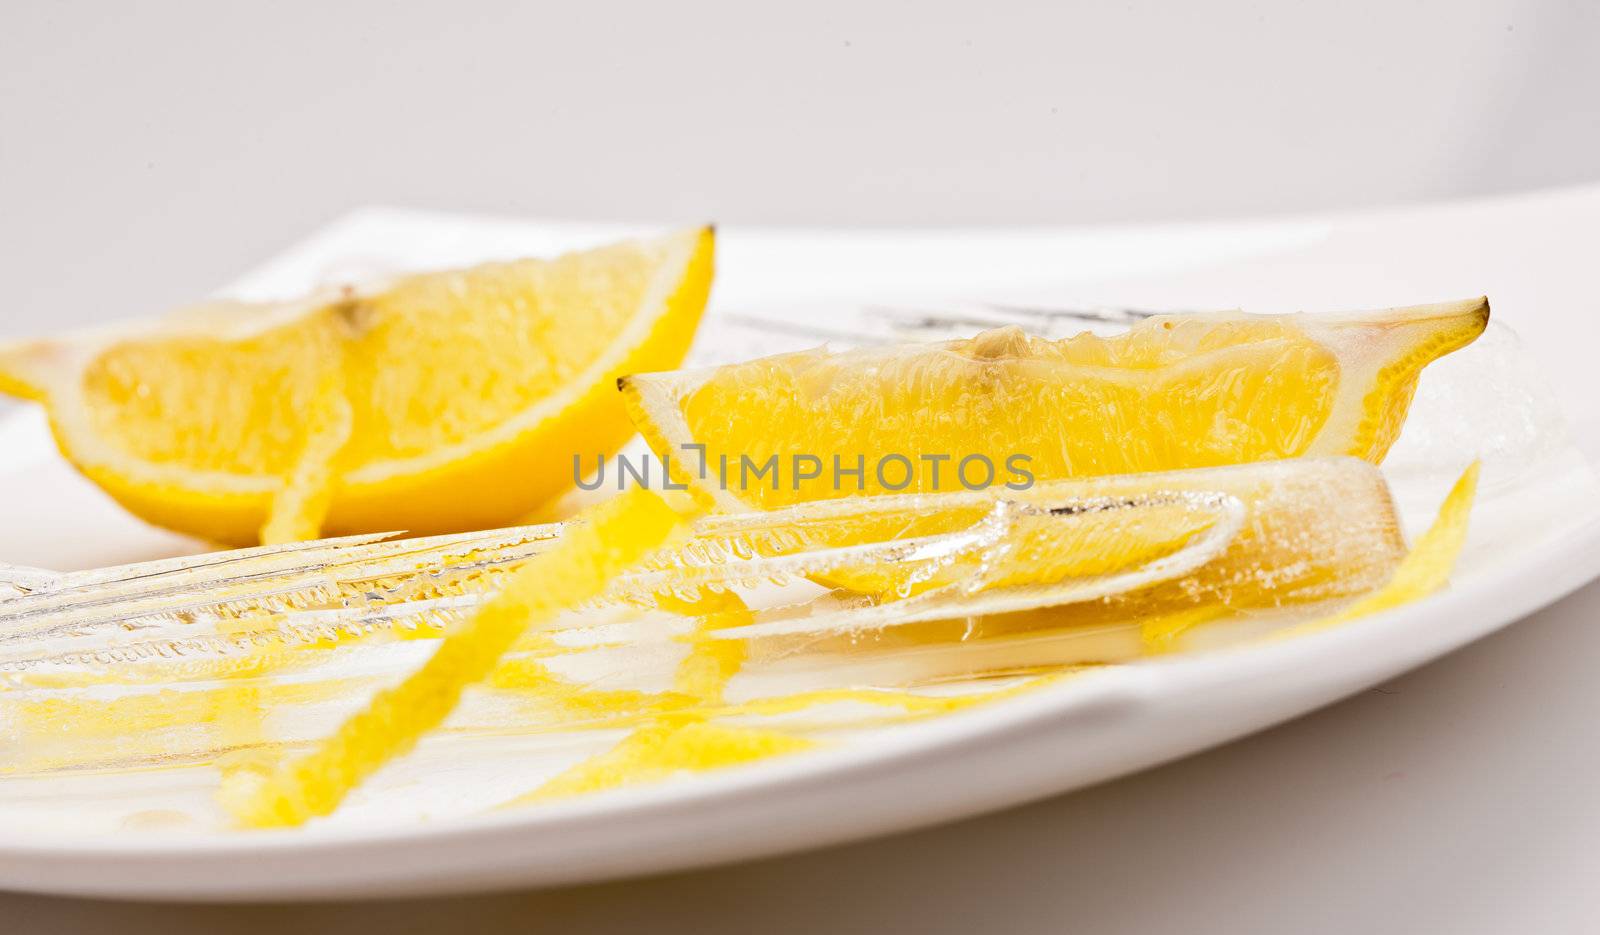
1174	392
462	395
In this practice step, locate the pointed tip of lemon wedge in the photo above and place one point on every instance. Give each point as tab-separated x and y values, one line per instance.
23	369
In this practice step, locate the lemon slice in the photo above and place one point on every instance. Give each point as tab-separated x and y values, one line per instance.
1006	408
444	401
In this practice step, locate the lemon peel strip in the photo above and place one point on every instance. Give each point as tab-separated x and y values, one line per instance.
704	674
298	510
687	739
614	535
536	678
295	513
677	737
910	702
1424	570
1160	634
664	749
685	743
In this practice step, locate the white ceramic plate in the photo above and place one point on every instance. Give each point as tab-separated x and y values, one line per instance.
1536	536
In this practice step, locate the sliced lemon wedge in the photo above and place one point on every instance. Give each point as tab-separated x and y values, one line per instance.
1003	407
444	401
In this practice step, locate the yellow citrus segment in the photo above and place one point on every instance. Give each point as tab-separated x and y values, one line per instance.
232	404
613	536
1425	569
559	314
1004	407
467	394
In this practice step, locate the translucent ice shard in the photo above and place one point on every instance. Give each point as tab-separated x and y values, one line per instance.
905	552
1251	536
147	664
1297	532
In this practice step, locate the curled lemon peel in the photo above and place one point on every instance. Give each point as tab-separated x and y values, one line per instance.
613	536
1425	569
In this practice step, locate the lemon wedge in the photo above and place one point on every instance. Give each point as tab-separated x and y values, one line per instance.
1174	392
443	401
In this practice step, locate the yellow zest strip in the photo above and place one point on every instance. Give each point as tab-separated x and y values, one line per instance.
686	743
704	674
298	510
238	713
1424	570
611	537
663	749
677	737
613	709
1159	634
155	727
530	675
296	513
910	702
682	738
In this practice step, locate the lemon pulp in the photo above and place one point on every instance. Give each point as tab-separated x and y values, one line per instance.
466	394
1003	407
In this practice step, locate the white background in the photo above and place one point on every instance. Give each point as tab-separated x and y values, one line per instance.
151	152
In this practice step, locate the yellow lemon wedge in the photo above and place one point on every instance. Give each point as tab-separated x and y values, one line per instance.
442	401
1175	391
